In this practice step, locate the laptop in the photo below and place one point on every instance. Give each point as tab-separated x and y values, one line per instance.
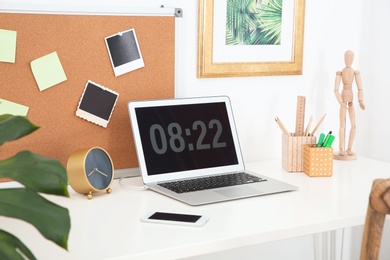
192	142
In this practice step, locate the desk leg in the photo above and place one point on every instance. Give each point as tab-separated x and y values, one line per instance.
332	244
325	246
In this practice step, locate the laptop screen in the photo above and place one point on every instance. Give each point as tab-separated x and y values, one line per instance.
185	137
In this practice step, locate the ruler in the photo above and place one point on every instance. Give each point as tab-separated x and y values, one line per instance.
300	116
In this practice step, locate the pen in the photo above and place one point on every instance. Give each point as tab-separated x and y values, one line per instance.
320	139
326	138
329	141
318	125
280	124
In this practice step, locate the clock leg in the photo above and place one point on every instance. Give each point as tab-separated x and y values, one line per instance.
89	196
109	190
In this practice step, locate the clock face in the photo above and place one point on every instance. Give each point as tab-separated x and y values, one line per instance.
98	168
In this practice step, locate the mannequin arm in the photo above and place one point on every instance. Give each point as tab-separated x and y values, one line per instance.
337	86
360	89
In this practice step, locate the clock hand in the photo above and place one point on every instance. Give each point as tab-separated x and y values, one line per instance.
102	173
94	169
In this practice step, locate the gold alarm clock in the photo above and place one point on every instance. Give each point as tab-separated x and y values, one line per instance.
90	170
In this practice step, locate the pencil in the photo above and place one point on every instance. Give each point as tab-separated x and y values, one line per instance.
280	124
308	126
318	125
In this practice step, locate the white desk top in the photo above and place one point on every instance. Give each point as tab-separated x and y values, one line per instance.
109	226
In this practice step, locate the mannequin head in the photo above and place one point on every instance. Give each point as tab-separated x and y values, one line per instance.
348	58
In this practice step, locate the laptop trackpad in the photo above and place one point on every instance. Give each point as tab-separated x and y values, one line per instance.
239	192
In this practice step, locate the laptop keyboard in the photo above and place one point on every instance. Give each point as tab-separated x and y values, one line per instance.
211	182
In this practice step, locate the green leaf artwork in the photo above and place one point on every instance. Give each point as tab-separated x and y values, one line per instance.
254	22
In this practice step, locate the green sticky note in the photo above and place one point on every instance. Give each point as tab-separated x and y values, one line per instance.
7	46
8	107
48	71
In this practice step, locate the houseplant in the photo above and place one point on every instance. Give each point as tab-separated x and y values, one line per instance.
37	174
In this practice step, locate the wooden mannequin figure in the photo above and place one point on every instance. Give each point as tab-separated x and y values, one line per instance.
345	99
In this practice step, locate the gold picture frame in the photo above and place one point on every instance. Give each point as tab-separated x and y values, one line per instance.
209	69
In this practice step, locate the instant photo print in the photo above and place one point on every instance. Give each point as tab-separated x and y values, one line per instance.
124	51
97	104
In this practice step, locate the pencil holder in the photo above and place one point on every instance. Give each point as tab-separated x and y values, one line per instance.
292	151
318	161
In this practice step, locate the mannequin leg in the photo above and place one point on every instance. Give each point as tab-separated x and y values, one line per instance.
352	133
342	131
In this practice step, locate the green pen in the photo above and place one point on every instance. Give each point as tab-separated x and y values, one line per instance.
329	141
320	139
326	139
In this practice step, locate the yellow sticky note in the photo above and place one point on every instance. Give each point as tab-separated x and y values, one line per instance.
8	107
48	71
7	46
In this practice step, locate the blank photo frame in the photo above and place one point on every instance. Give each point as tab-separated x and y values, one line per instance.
97	104
124	52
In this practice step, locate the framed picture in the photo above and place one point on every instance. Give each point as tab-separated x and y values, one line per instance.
250	38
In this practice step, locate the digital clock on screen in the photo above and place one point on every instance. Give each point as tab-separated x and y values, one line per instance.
186	137
173	137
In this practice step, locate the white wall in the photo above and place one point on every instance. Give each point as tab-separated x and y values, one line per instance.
331	28
375	56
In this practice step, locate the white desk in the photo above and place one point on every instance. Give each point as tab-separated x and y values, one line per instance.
108	226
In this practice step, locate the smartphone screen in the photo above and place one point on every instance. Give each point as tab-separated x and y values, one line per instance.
175	217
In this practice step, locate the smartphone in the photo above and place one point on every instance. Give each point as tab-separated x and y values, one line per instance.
175	219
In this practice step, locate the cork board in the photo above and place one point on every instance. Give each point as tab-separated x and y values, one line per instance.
80	45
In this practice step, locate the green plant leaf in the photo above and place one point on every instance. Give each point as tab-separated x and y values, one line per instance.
14	127
9	246
52	221
36	172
